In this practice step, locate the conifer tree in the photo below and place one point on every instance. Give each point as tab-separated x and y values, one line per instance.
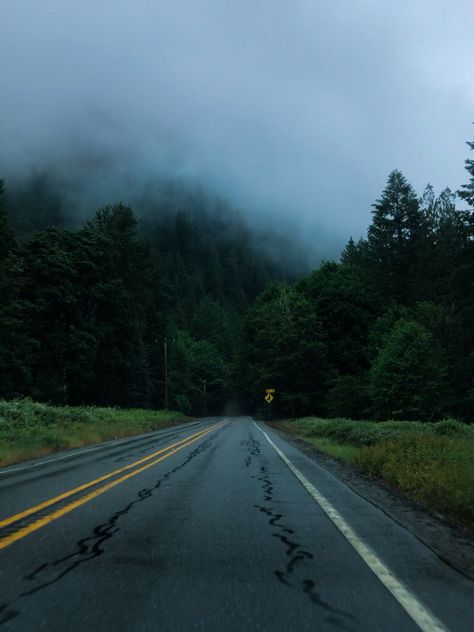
7	241
467	190
394	237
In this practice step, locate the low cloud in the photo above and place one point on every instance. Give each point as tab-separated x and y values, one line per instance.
294	111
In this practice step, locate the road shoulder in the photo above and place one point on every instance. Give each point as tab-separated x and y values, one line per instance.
452	543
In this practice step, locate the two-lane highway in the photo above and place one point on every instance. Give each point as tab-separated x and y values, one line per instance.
215	525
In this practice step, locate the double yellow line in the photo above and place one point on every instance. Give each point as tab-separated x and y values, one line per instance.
145	463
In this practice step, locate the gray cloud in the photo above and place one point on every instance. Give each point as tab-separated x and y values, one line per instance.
293	109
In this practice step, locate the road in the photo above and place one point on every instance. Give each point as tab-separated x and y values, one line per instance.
217	525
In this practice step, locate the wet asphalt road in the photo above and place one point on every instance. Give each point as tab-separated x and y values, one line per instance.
219	535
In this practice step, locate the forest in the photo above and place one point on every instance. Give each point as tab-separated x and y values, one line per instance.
385	332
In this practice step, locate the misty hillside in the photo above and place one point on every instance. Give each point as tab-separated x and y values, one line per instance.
41	199
190	306
91	300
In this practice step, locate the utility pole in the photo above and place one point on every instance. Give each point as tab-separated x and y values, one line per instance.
165	353
204	390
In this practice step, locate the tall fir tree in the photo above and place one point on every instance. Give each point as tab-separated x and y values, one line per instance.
467	190
462	293
7	240
15	340
394	238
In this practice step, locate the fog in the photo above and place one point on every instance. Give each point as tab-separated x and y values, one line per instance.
295	111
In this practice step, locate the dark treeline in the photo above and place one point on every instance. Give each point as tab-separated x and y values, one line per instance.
84	313
386	333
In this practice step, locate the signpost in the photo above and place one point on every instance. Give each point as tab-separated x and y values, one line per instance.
269	395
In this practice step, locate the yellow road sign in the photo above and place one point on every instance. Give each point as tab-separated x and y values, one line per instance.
269	397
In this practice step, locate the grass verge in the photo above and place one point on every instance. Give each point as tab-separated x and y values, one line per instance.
432	463
29	429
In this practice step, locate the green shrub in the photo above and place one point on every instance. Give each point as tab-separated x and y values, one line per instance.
452	428
29	429
431	462
357	433
407	377
435	470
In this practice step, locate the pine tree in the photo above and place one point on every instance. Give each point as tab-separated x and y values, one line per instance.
122	301
467	190
394	237
7	241
355	253
349	252
344	299
15	342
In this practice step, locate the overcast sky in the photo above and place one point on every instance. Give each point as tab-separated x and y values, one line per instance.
298	108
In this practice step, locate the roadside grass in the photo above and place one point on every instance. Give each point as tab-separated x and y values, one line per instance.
342	451
432	463
30	429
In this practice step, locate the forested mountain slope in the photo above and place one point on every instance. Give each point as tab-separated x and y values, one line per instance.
85	312
389	331
190	297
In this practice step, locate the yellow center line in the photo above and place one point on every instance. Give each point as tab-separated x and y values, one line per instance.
52	501
41	522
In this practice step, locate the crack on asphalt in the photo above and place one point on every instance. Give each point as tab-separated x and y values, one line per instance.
7	613
297	555
92	547
253	448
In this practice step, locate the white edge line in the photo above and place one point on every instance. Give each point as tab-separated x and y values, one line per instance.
113	443
425	620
